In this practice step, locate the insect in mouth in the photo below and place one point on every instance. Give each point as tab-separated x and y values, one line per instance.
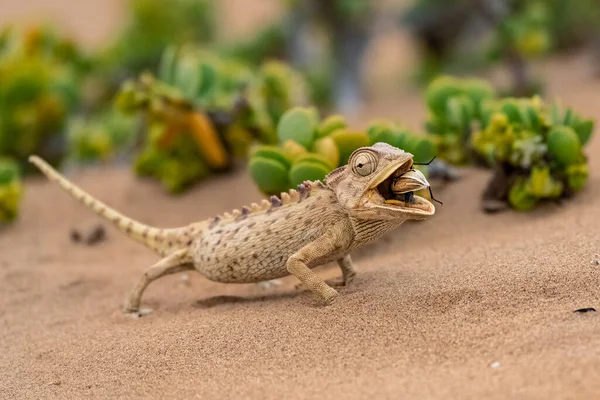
409	196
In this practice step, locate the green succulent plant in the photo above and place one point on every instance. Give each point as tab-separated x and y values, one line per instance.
101	136
540	147
222	104
268	42
327	148
269	168
519	197
11	190
456	107
40	74
577	176
151	27
542	185
582	127
421	147
348	140
516	33
526	31
293	150
299	125
564	145
309	167
330	124
176	168
300	155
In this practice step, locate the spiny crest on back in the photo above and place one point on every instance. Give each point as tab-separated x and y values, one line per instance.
276	201
266	206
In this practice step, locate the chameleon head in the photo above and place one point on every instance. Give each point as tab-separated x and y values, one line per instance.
379	183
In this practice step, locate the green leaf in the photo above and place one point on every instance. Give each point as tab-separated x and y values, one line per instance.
208	80
347	141
568	117
577	176
298	124
272	152
307	171
511	109
584	131
520	199
9	171
187	78
271	176
564	145
167	64
424	151
330	124
439	91
327	148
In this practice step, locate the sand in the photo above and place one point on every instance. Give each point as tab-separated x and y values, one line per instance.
464	305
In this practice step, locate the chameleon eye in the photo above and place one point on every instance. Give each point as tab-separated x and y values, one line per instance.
364	164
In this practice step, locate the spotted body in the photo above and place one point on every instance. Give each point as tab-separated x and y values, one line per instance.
236	251
289	234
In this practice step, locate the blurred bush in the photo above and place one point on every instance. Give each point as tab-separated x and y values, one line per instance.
11	190
100	136
521	36
41	73
455	109
267	43
204	110
573	23
536	152
464	35
153	26
191	106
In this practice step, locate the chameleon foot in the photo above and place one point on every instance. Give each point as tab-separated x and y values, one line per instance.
345	280
137	314
330	296
337	282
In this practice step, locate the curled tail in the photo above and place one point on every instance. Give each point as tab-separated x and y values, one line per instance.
152	238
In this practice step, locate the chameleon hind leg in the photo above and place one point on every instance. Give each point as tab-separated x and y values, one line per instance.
348	272
171	264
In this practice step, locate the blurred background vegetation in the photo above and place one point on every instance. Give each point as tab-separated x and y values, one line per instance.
188	89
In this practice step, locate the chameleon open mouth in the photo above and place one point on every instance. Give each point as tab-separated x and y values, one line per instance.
398	191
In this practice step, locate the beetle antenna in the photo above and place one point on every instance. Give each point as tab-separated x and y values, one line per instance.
427	163
433	198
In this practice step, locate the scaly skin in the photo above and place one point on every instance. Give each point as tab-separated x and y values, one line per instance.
291	234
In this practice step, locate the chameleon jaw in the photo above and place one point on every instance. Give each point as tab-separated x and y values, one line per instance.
419	205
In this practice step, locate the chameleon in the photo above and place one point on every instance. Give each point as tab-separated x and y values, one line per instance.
316	223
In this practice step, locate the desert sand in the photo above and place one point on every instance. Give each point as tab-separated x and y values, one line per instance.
462	306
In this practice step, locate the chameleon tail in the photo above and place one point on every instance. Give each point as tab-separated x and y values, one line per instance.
152	238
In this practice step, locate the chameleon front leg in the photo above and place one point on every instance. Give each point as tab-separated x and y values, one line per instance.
173	263
298	263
